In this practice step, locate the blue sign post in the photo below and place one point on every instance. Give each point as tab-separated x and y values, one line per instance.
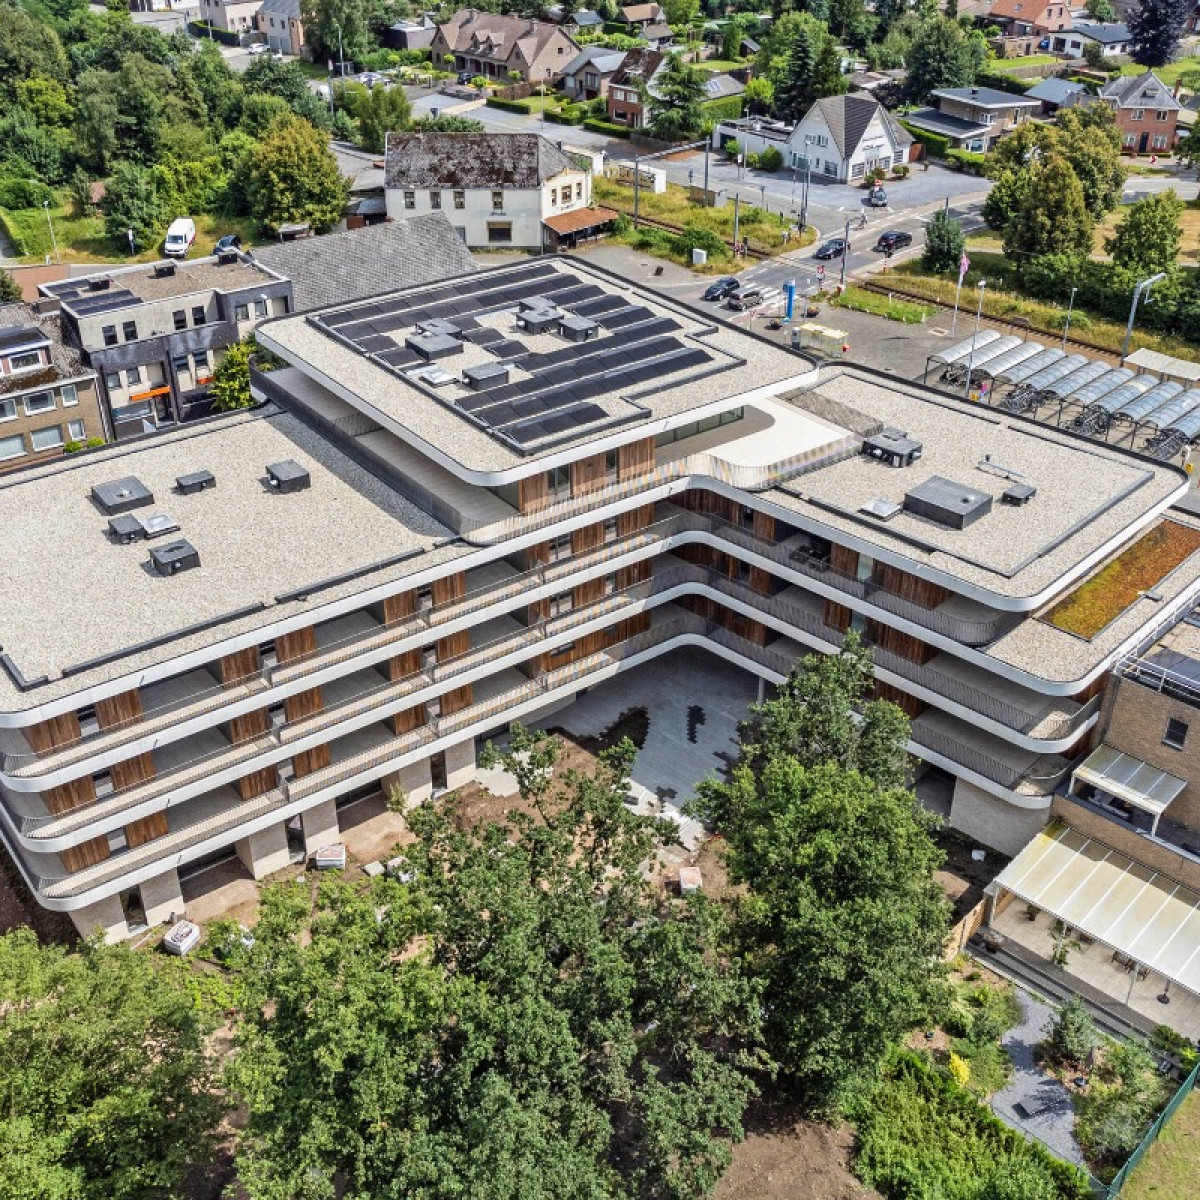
789	291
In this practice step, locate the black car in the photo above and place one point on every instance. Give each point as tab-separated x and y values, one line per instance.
834	248
721	288
893	240
877	198
230	241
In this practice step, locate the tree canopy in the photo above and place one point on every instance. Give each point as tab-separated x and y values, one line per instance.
675	112
1155	30
942	55
1147	240
294	177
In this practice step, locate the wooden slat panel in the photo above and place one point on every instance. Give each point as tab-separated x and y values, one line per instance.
294	645
86	854
137	833
235	667
458	699
254	784
303	704
449	588
132	771
760	581
590	537
453	645
403	665
316	758
533	492
55	731
407	720
588	592
842	558
587	475
904	645
635	519
913	706
69	796
636	458
535	556
910	587
248	725
397	608
640	572
115	711
837	616
764	526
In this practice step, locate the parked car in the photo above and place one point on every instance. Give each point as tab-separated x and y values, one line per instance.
834	248
465	76
370	78
180	236
877	198
740	301
721	288
230	241
258	48
892	240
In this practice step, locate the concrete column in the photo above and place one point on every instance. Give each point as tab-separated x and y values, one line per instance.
762	689
265	852
320	825
105	915
460	764
161	896
414	780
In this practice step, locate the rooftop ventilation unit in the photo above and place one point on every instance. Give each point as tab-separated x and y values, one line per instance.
951	504
174	557
125	529
122	495
1018	494
893	447
164	270
156	524
432	346
433	375
196	481
538	320
288	476
226	258
488	374
99	285
576	328
439	325
881	510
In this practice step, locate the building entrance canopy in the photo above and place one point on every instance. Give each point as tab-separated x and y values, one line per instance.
1111	898
1128	779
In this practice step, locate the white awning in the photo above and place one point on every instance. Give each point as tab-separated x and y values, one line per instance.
1165	364
1113	899
1129	779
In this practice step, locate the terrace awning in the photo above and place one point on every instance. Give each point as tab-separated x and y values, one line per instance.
1129	779
1113	899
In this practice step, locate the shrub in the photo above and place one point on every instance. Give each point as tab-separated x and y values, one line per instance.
902	171
1072	1035
514	106
606	127
935	144
23	193
965	160
960	1069
770	160
732	149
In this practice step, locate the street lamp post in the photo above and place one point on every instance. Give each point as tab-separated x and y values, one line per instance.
1067	323
845	251
53	239
1138	291
974	340
807	181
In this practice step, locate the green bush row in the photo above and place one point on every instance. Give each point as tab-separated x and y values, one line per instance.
515	106
935	144
728	108
608	127
13	236
965	160
1004	82
569	114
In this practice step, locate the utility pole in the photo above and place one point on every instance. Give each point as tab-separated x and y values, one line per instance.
53	239
974	340
845	251
1142	287
1067	324
637	190
737	201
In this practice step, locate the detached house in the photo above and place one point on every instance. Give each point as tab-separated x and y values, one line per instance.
495	46
589	73
1147	113
1023	17
973	119
626	105
279	21
639	16
847	136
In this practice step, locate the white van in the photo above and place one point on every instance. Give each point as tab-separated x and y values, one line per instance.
180	237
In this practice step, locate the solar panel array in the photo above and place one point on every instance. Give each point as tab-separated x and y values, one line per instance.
556	395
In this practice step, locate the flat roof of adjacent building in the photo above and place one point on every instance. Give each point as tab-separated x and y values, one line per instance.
74	596
1087	493
650	360
66	362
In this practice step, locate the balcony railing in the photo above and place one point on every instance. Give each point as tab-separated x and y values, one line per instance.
1160	679
1039	778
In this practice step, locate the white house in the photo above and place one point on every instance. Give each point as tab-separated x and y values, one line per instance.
497	189
1112	38
840	137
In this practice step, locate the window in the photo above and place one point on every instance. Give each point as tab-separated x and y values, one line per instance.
558	481
241	312
200	358
610	529
12	447
76	431
70	397
109	334
1161	114
39	402
129	331
610	464
579	191
857	170
561	547
435	200
180	363
1138	114
460	199
831	168
560	604
112	381
410	199
180	318
133	375
1160	141
8	410
499	233
1128	140
199	316
47	439
262	308
1176	734
497	202
553	196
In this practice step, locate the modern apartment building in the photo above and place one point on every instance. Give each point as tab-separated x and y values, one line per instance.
464	502
155	333
48	396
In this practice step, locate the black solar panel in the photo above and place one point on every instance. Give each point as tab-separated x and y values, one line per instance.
92	303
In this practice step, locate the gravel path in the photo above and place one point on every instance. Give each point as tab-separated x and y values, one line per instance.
1051	1116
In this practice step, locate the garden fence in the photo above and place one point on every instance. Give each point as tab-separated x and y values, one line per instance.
1122	1177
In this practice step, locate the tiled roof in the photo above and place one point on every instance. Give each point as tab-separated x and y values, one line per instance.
469	27
580	218
365	262
848	117
602	59
1139	91
639	64
471	160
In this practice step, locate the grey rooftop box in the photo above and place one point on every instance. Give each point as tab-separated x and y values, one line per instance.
951	504
174	557
288	476
122	495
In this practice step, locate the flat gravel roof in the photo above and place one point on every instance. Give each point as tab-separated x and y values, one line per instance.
73	595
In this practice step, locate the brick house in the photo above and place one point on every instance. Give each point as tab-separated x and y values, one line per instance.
1147	113
495	46
625	103
1022	17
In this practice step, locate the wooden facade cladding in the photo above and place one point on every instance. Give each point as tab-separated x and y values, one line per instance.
396	609
122	710
533	492
909	587
635	519
288	648
402	665
588	474
237	666
640	572
911	706
903	645
48	735
457	699
635	459
590	537
753	631
837	616
407	720
453	646
449	588
247	726
843	559
86	854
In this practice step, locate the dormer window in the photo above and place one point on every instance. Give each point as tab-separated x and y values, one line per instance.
25	361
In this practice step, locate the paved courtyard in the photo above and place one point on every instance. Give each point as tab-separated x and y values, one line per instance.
670	764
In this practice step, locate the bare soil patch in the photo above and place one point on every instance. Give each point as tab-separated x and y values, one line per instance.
18	909
961	877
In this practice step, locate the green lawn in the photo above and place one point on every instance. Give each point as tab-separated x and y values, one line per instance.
721	64
1168	74
1170	1169
1024	60
82	240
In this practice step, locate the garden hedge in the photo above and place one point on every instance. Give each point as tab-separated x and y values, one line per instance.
935	144
515	106
607	127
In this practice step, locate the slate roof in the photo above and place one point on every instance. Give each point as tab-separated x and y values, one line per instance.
471	160
1140	91
1108	34
720	86
585	18
289	9
848	117
602	59
1055	91
365	262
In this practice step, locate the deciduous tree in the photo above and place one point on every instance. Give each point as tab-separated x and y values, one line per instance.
944	243
294	177
133	201
942	56
1155	30
1147	240
230	387
384	111
10	289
